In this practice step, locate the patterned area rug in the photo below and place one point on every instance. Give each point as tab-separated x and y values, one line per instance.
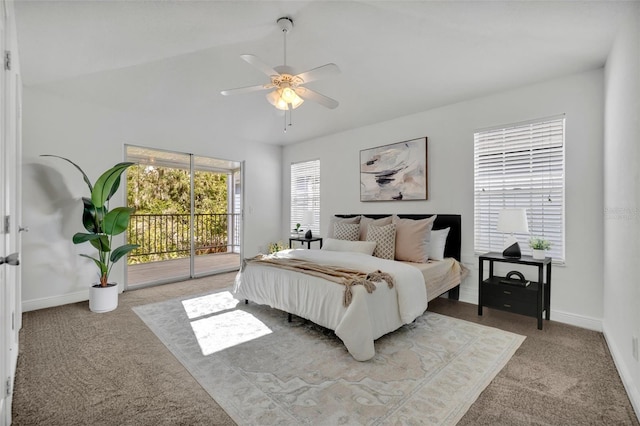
264	370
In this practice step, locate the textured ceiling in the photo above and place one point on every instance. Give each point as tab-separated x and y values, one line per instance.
172	58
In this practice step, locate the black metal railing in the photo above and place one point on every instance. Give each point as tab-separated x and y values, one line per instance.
168	236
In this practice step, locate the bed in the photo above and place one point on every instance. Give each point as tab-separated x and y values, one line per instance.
368	315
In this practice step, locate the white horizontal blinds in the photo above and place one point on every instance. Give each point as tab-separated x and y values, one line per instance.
520	166
305	194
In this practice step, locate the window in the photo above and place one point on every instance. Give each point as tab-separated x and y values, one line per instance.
520	166
305	194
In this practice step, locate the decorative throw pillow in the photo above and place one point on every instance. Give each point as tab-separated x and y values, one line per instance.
346	231
366	221
333	220
437	242
366	247
412	238
385	238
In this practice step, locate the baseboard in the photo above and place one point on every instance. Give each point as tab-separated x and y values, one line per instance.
49	302
578	320
633	391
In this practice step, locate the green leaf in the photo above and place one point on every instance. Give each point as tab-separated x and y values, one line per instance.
122	250
84	176
81	237
89	216
108	183
99	241
117	220
101	265
102	243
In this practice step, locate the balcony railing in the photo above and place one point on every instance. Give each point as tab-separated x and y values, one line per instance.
167	236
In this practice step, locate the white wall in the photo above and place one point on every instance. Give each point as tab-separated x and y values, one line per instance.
622	203
577	287
94	138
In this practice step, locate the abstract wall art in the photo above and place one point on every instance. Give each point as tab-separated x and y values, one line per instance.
396	172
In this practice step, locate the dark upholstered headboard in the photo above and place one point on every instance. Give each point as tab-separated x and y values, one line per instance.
453	221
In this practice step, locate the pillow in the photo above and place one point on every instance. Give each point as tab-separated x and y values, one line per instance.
333	220
437	242
412	238
385	238
365	247
366	221
346	231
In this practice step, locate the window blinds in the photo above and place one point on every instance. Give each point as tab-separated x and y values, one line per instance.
520	166
305	194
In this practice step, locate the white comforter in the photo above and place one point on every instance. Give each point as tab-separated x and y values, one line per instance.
368	317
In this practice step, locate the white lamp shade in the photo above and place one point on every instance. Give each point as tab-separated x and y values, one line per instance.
307	217
513	220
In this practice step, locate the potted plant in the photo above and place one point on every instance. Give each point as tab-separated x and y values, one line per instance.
101	225
297	229
539	246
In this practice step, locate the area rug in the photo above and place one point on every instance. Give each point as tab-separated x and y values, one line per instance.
264	370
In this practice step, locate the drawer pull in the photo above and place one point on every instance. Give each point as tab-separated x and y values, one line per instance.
507	306
506	292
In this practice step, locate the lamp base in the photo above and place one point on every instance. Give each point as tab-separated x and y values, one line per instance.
308	235
512	251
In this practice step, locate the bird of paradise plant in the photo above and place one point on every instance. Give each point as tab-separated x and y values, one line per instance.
100	222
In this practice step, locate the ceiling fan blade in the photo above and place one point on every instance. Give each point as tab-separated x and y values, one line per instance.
312	95
247	89
256	62
324	71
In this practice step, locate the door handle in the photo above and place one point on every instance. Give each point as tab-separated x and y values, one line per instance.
23	229
12	259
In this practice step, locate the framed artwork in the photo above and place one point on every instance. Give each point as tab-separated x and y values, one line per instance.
396	172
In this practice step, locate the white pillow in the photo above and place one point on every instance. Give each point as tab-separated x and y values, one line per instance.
437	242
366	247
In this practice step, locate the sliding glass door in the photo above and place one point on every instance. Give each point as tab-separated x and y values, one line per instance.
187	217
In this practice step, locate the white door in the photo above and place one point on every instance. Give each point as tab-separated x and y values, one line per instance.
10	174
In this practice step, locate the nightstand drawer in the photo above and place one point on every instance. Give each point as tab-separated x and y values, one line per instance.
492	288
511	305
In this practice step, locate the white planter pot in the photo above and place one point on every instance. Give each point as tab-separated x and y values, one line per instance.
103	299
539	254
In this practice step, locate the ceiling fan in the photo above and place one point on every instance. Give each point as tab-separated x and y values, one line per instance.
289	90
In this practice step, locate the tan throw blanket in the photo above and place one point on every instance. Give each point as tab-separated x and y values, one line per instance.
337	274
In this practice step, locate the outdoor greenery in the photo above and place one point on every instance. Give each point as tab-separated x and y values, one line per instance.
161	199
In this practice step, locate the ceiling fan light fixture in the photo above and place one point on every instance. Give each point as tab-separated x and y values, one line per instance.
283	100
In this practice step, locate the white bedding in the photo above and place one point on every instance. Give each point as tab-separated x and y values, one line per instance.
368	317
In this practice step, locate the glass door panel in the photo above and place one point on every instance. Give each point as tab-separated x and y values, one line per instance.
216	215
159	189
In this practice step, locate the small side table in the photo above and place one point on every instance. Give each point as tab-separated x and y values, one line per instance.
531	300
305	240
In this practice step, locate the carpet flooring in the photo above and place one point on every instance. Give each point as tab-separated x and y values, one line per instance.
265	370
80	368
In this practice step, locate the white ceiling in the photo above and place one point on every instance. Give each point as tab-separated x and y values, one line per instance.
172	58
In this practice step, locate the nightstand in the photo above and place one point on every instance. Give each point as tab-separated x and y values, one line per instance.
531	300
305	240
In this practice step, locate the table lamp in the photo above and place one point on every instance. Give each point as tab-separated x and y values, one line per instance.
510	221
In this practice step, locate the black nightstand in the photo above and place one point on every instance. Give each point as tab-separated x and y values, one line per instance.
305	240
531	300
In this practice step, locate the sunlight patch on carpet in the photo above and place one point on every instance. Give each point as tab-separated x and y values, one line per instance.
225	330
201	306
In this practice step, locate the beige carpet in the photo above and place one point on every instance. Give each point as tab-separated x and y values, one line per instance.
263	370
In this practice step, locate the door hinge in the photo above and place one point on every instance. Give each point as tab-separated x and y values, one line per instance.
8	389
13	320
7	222
7	60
